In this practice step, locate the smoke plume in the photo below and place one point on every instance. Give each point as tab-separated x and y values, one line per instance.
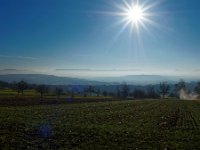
185	95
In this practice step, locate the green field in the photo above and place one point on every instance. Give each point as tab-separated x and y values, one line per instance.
9	93
150	124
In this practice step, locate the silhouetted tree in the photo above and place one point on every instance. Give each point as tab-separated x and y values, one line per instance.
85	92
164	89
4	84
42	89
151	93
138	93
197	88
111	94
118	93
72	94
21	86
105	93
125	91
59	92
90	90
98	92
180	85
173	94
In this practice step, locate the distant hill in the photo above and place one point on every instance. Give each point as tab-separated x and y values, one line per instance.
140	79
55	80
47	79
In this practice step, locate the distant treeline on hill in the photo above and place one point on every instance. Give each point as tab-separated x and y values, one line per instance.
125	91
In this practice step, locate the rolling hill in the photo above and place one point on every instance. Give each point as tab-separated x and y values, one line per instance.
56	80
47	79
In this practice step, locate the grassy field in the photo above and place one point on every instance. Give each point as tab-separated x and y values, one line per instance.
32	94
9	93
151	124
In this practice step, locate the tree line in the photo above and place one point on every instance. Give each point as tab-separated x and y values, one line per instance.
164	90
21	86
123	91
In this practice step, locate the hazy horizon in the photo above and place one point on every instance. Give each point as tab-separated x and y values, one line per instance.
114	77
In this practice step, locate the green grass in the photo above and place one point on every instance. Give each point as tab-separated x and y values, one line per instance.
152	124
8	93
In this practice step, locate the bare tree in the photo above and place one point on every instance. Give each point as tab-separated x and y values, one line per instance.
90	90
164	89
85	92
151	93
98	92
42	89
197	88
180	85
105	93
125	91
139	93
21	86
58	92
118	93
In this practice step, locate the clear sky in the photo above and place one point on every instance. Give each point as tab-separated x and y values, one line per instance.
83	38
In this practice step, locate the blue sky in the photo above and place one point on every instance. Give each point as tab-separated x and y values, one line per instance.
78	38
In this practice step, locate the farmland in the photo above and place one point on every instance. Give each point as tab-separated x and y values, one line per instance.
150	124
31	97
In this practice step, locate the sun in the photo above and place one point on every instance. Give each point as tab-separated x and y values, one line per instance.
135	14
138	16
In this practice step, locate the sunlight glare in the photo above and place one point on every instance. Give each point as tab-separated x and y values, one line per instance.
135	14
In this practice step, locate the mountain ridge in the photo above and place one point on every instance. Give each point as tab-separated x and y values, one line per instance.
46	79
56	80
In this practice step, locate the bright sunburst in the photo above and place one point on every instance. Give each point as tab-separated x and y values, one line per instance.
136	14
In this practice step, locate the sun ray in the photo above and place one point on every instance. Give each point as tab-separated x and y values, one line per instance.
121	30
136	14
